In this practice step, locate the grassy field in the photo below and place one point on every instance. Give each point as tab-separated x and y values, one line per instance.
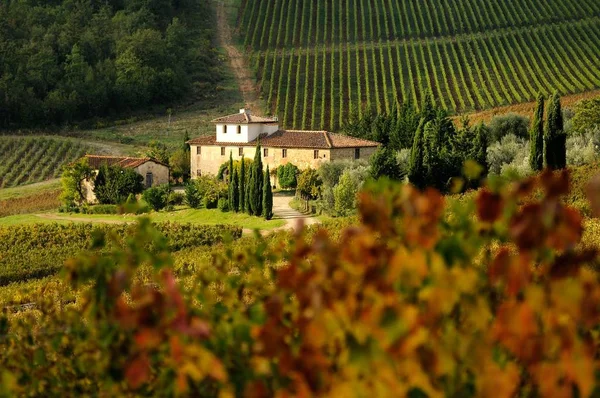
182	215
28	190
323	58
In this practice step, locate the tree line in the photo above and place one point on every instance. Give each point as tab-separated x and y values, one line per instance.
251	191
439	149
67	60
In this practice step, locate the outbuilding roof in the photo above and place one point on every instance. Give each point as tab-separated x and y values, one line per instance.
294	139
95	161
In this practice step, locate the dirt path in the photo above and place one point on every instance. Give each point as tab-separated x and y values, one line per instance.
242	73
293	218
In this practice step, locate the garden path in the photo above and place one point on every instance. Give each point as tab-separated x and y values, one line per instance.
293	218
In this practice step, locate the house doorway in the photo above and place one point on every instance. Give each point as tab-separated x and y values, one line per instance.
149	180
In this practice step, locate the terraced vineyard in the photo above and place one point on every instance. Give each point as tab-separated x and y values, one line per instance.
315	60
34	159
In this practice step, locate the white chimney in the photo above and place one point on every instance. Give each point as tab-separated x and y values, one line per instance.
243	110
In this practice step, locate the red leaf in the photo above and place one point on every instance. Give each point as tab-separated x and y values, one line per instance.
489	206
138	371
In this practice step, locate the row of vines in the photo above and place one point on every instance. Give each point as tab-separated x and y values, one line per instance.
294	23
317	87
30	252
29	160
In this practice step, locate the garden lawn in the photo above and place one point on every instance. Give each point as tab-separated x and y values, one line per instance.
185	215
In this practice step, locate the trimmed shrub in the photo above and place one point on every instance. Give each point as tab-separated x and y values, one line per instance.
100	209
157	197
192	197
287	176
210	201
223	205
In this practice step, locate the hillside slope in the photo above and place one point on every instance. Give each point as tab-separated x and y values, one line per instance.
317	60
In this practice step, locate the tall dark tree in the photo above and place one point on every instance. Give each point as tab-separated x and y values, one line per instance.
234	194
230	177
428	107
249	191
536	136
554	137
186	138
385	164
242	186
434	151
407	122
417	172
256	184
480	146
267	198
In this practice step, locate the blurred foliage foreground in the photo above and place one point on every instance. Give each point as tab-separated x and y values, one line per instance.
490	297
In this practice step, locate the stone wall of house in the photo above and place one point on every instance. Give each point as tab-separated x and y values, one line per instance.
349	153
88	189
160	173
212	157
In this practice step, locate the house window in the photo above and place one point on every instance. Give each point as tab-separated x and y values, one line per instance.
239	129
316	154
265	152
284	153
241	151
149	180
224	129
198	150
356	153
198	173
222	151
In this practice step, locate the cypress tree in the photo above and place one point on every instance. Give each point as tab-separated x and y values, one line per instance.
481	145
242	186
416	170
249	189
256	184
234	194
554	137
431	154
428	108
536	137
230	184
186	138
267	198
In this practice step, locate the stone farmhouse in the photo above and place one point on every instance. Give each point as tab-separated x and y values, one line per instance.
153	171
239	133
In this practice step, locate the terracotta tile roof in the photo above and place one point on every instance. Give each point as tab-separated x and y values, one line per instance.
95	161
294	139
244	118
345	141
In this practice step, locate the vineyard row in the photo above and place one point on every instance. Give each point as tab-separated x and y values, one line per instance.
294	23
316	88
29	160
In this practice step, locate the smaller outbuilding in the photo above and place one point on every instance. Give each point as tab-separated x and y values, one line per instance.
154	172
